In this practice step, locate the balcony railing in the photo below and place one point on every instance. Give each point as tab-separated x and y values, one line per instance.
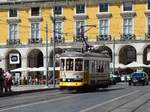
147	36
103	37
58	40
128	37
35	41
79	39
13	41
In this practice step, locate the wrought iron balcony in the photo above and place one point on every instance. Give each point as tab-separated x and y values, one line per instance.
128	37
13	41
59	39
103	37
147	36
79	39
35	41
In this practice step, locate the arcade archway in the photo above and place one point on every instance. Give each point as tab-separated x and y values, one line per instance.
35	58
127	54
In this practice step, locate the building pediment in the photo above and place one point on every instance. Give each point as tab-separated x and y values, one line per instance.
80	17
128	14
103	15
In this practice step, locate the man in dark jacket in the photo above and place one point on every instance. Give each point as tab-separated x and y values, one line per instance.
2	78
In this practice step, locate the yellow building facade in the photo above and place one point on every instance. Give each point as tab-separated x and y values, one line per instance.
120	27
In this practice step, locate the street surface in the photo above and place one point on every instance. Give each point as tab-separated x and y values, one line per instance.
116	98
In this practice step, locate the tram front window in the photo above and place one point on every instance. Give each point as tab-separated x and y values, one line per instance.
69	64
62	64
78	64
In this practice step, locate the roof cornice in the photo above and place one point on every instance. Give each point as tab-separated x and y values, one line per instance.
52	3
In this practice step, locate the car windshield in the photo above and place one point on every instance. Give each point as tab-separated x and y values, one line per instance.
137	74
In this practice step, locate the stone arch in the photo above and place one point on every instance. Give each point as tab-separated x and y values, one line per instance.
101	49
146	55
35	58
13	59
127	54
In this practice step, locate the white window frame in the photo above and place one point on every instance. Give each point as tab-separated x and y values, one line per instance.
62	11
147	6
39	30
127	11
102	12
13	17
9	31
62	29
80	13
132	24
147	22
76	27
35	16
99	25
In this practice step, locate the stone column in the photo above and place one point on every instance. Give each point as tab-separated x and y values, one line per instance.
3	63
24	74
44	63
139	58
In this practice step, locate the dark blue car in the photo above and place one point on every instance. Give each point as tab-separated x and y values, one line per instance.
139	78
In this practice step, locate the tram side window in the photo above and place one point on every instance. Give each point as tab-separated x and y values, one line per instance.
62	64
86	65
78	64
69	64
107	66
97	66
101	66
93	66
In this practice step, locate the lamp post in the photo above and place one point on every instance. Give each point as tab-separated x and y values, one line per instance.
54	27
113	56
46	54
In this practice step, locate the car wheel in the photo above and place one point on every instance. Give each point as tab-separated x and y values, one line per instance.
129	83
147	83
144	83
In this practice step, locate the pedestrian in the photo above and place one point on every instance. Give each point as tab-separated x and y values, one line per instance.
1	81
8	81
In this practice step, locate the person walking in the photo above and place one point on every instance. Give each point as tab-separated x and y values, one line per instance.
2	79
8	81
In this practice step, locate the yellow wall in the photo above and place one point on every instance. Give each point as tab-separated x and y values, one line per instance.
46	14
140	20
69	22
115	21
3	26
24	25
92	20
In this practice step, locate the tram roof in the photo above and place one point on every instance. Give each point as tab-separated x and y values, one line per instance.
85	54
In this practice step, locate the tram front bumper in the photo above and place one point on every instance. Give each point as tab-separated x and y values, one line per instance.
71	84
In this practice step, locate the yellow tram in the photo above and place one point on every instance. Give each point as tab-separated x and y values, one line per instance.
84	70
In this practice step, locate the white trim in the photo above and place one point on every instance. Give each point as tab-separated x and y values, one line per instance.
147	6
39	29
147	23
132	24
62	27
13	17
40	11
17	37
85	34
108	25
103	12
85	9
62	10
122	6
